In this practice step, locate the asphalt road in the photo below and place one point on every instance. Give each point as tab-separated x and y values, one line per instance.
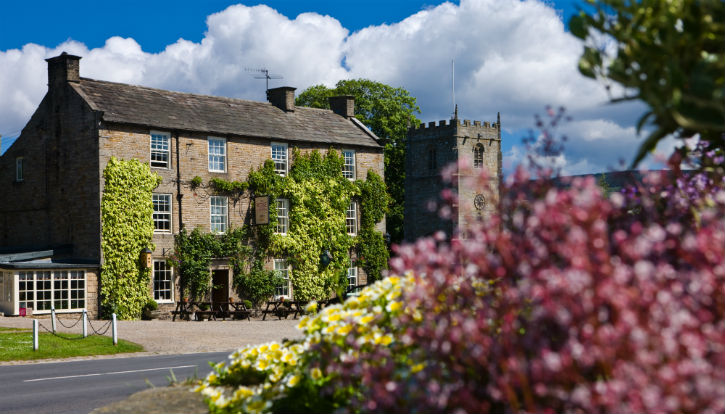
80	386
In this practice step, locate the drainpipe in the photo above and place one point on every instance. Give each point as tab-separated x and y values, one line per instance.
179	196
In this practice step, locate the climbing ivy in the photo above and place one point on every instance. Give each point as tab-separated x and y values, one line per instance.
318	197
127	229
372	250
233	189
193	253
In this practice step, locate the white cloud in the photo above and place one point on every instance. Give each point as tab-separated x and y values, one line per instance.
511	56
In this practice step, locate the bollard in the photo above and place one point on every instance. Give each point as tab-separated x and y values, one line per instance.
35	334
114	330
52	318
85	324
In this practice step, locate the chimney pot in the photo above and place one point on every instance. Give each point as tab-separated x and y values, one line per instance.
282	97
63	68
343	105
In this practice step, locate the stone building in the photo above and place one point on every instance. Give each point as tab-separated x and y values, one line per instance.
51	178
432	147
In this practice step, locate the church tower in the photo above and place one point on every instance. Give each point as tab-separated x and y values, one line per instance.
431	148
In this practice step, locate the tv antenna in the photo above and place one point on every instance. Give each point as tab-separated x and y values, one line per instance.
264	75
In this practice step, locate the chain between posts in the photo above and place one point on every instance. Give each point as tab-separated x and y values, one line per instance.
80	318
100	331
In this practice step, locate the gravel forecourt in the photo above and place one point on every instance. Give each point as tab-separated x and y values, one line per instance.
179	337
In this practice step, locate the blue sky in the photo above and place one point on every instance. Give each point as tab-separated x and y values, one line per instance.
511	57
157	23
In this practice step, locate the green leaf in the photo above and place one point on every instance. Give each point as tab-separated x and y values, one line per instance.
578	27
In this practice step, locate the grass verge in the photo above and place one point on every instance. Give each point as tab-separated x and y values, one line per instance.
17	345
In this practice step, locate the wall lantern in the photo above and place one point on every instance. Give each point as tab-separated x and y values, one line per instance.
146	257
325	258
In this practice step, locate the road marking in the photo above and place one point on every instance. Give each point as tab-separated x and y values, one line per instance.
107	373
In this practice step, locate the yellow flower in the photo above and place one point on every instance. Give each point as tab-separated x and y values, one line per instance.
316	373
258	406
261	365
311	307
344	329
417	368
393	306
367	319
294	380
243	392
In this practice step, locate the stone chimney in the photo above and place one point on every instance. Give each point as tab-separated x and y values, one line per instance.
282	97
62	69
343	105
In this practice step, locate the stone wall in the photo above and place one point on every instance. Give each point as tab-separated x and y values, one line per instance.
243	155
59	149
430	148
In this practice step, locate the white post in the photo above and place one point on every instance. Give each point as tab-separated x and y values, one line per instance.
35	334
85	323
114	329
52	318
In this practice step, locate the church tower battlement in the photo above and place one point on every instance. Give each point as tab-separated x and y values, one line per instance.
432	147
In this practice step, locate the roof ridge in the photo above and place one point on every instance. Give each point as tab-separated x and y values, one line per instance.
176	92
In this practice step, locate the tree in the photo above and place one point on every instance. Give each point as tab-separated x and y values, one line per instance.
669	54
388	112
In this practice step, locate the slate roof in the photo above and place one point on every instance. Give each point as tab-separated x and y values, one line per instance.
138	105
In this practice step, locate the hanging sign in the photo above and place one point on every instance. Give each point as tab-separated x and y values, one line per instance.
261	210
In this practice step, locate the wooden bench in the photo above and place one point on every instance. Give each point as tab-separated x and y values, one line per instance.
200	315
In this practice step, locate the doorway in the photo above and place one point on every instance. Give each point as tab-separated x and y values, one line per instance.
220	285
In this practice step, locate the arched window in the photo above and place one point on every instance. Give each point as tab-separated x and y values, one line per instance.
432	161
478	156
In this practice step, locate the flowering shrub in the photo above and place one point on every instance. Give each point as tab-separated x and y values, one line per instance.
311	375
568	301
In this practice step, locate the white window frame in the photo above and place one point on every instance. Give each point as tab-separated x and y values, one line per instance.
160	148
50	287
351	218
215	157
282	208
162	214
348	164
163	284
219	202
281	267
351	277
19	169
281	163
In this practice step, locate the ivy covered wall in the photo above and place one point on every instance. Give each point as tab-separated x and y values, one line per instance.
127	228
318	197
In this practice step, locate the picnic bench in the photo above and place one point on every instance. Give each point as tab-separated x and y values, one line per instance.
200	310
283	308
